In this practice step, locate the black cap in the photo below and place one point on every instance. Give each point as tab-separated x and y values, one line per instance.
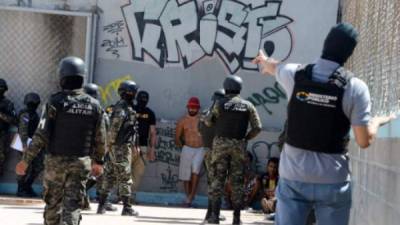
340	43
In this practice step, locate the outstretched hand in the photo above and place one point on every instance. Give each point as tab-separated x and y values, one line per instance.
267	65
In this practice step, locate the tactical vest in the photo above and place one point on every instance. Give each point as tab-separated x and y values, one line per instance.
73	129
33	121
316	120
233	119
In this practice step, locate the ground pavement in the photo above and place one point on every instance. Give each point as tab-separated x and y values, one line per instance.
14	211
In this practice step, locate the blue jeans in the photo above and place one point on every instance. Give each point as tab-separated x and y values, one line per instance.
331	202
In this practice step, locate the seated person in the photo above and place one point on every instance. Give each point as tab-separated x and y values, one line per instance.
251	182
269	182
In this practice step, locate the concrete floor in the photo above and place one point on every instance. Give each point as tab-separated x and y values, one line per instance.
14	211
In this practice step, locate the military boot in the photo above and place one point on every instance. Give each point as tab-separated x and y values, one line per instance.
110	207
101	209
127	210
236	217
215	208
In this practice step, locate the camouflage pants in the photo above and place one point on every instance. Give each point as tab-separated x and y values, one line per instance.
64	188
228	158
122	169
209	169
108	180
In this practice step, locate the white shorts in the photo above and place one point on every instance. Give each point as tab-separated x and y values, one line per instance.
191	162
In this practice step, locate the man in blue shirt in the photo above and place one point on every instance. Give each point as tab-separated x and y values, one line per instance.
326	101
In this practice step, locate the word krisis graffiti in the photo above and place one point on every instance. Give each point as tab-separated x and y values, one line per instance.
183	32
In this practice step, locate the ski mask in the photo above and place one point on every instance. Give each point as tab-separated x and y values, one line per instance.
340	43
142	99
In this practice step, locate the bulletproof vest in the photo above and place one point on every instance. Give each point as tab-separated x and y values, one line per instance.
6	108
33	121
233	119
316	121
73	129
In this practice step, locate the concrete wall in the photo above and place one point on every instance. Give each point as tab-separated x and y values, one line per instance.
176	49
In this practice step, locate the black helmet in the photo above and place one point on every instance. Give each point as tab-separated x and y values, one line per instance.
127	86
218	94
71	66
3	84
32	98
233	84
92	90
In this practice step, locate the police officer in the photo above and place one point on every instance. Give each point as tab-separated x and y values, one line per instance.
72	130
231	117
7	118
207	134
122	141
28	121
108	176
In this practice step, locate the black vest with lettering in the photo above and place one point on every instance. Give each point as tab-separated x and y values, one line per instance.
33	121
73	129
316	120
233	119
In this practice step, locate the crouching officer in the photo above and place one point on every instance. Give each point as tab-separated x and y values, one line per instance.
28	121
231	116
72	129
122	141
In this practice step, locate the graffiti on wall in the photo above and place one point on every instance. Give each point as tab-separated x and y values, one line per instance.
169	181
262	151
269	95
168	155
173	32
107	91
116	41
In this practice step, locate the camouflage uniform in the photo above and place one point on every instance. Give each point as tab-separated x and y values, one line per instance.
120	150
65	176
228	154
108	179
7	118
27	124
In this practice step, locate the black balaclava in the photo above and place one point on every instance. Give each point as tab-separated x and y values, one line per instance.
71	83
340	43
142	99
32	107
